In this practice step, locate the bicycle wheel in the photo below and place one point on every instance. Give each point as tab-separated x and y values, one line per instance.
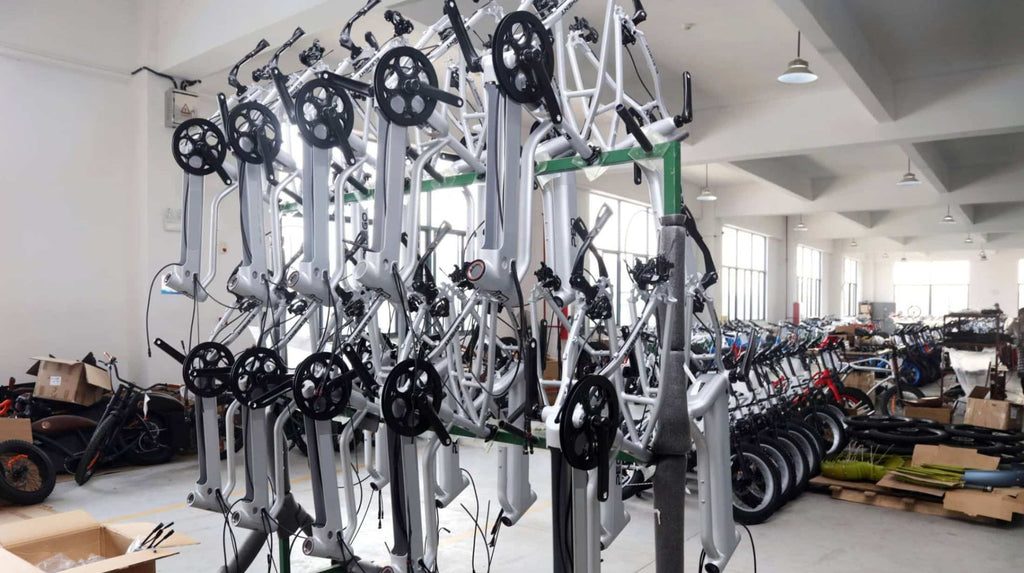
829	428
148	440
755	486
801	466
787	473
909	435
987	434
26	474
890	405
807	441
856	402
94	452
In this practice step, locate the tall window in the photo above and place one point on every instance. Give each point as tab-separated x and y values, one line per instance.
627	236
931	288
808	280
744	258
851	286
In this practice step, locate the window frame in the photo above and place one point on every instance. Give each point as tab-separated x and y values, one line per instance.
809	287
850	292
744	286
930	285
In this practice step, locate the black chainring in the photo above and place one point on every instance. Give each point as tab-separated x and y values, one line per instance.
411	386
253	132
519	36
206	356
394	82
199	146
256	373
323	114
591	408
322	385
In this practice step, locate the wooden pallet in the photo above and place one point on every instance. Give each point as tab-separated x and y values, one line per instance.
871	494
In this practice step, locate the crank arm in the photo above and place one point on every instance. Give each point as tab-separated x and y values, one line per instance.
439	94
170	350
270	397
281	83
459	28
357	365
335	126
349	84
536	63
437	425
268	161
604	447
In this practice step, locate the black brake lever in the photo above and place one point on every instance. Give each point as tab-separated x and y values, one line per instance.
233	74
345	38
633	128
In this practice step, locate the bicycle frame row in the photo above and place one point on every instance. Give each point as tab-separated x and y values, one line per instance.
407	362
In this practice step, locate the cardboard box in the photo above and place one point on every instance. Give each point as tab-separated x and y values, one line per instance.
69	381
996	414
943	414
23	544
16	429
950	456
863	381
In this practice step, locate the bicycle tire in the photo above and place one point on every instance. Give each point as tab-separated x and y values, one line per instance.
829	428
91	457
786	467
911	435
755	490
887	398
812	435
857	401
873	423
801	466
807	450
145	451
986	434
27	476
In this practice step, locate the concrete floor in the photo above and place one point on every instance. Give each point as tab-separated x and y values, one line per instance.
813	533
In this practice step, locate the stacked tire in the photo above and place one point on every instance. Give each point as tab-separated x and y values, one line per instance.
898	435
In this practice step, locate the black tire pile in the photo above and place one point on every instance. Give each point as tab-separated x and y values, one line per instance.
898	435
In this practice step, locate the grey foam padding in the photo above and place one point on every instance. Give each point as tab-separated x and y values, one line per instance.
672	245
669	502
673	436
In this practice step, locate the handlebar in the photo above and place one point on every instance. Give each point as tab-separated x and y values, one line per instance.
345	38
233	74
710	274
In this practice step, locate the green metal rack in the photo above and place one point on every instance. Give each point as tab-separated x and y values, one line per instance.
670	154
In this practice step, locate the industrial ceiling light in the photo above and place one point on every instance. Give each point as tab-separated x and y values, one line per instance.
885	255
705	193
982	255
949	216
909	178
800	226
798	71
853	243
969	240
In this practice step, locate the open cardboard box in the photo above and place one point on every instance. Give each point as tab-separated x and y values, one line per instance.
996	414
1000	503
76	534
69	380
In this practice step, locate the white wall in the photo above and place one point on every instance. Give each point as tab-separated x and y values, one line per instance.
69	218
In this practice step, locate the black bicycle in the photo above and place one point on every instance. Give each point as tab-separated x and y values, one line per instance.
130	429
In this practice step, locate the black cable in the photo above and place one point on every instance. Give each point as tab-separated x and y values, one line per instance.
637	70
753	548
160	74
149	301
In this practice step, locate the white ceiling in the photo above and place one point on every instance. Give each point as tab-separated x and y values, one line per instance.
940	81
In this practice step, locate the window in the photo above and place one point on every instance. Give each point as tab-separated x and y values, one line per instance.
744	258
851	287
808	281
628	235
931	288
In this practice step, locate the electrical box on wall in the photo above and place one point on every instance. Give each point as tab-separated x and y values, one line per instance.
179	105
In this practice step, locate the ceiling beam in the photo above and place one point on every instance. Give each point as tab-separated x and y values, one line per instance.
966	104
833	32
925	160
865	219
963	213
779	176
